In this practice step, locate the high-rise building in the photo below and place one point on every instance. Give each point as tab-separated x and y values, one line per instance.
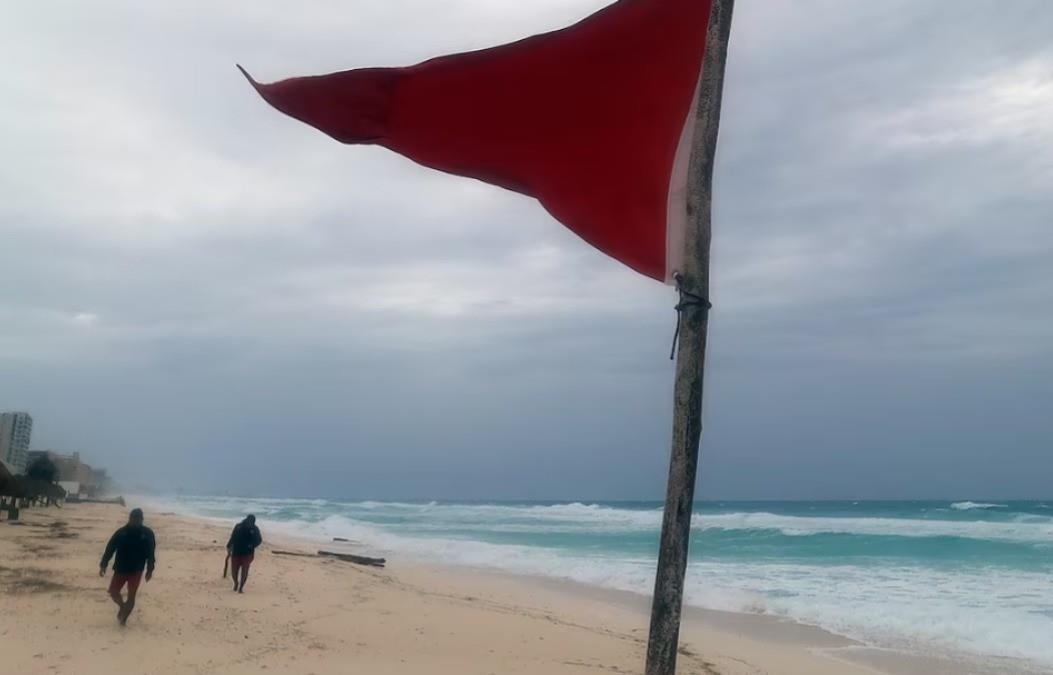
15	430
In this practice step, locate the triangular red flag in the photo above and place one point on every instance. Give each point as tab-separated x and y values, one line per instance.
595	121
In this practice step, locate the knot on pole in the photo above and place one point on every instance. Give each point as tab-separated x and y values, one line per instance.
687	299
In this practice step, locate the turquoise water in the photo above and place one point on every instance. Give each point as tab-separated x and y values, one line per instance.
954	577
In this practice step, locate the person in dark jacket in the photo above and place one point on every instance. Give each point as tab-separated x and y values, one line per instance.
242	547
134	545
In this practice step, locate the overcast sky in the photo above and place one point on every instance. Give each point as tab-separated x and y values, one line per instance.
198	292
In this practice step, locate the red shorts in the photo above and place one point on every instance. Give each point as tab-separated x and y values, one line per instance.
121	578
239	561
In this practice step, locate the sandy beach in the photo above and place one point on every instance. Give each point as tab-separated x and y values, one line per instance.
313	616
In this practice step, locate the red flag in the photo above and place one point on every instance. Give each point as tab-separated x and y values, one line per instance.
595	121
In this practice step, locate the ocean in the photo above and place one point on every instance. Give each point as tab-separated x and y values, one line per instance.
936	577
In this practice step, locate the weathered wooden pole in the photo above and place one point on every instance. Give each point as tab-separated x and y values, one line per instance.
690	363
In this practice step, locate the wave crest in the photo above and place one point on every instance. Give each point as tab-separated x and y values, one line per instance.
969	506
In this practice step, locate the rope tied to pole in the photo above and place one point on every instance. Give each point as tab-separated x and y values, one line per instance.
687	299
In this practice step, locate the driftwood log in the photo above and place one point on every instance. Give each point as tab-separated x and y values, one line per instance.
295	553
357	559
346	557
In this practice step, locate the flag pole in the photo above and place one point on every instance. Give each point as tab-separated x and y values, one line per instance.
693	282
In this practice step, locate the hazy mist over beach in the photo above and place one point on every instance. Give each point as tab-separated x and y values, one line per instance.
200	294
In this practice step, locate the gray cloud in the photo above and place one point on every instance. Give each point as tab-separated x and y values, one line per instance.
201	293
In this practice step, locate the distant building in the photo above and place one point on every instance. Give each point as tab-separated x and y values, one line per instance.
70	468
75	476
15	430
100	481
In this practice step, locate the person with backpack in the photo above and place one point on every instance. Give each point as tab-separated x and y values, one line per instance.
241	547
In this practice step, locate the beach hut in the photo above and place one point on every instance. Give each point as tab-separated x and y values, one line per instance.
36	490
16	490
9	492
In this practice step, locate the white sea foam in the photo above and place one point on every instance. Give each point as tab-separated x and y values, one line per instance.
1039	530
592	518
979	611
969	506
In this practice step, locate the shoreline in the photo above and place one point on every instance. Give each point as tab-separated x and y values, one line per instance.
699	621
700	624
767	628
323	616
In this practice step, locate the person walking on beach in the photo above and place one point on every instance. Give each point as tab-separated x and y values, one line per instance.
134	545
241	547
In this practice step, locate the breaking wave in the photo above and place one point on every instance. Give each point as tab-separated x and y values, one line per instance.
965	577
